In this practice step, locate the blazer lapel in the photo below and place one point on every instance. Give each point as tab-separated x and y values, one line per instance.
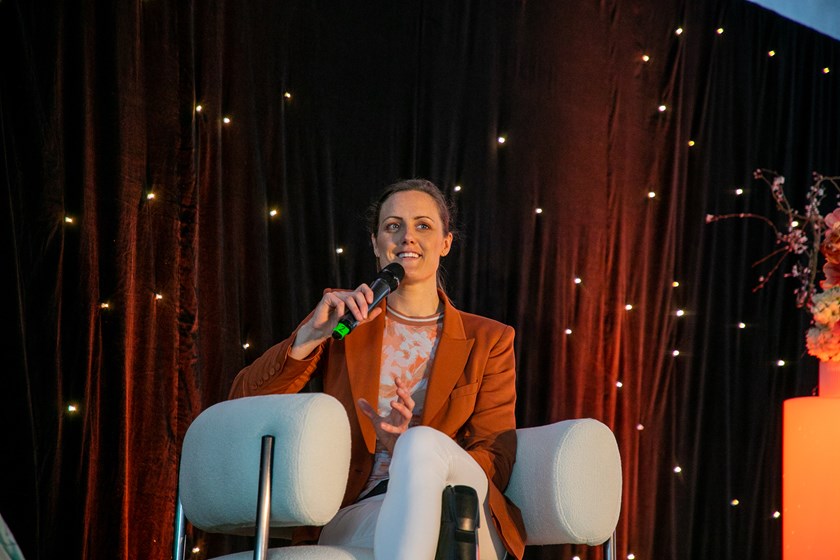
363	352
451	357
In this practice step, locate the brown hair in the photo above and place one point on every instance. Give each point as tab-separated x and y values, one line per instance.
445	208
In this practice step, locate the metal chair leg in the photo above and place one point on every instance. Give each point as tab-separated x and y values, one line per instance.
609	548
180	533
264	498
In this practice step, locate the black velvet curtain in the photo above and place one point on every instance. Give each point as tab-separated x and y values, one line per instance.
151	248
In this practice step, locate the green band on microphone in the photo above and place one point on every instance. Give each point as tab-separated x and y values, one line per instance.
341	330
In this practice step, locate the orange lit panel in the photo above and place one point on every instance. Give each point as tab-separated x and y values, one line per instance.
811	479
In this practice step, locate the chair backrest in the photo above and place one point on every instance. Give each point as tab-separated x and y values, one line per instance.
567	482
220	457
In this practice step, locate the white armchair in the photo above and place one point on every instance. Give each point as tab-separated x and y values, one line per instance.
566	480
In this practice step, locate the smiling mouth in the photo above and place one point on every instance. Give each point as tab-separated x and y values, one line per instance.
408	255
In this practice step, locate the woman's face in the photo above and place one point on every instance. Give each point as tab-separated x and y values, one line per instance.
411	232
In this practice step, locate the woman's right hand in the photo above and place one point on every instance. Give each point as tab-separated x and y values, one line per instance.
325	317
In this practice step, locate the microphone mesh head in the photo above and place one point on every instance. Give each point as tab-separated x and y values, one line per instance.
393	275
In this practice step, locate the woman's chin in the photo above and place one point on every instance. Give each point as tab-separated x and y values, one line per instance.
417	279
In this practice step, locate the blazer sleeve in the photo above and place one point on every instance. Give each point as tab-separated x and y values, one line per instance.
489	434
276	372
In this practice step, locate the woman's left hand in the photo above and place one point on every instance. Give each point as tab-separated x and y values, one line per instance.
388	428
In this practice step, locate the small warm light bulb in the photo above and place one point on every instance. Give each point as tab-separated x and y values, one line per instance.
568	331
675	353
631	556
68	219
777	514
578	280
675	284
150	196
72	408
680	312
739	191
678	469
628	307
735	502
771	53
794	223
104	305
640	427
781	363
690	143
645	58
679	31
575	557
226	120
457	188
501	139
651	194
196	550
339	250
619	384
246	345
719	31
287	95
272	212
663	108
742	325
826	70
198	108
158	296
538	210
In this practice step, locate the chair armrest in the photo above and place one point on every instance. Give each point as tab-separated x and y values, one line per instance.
567	482
220	462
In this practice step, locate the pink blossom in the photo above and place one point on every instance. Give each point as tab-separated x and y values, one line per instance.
796	241
832	275
832	219
776	188
831	243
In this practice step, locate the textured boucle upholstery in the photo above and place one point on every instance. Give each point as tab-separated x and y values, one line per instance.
221	456
567	482
308	553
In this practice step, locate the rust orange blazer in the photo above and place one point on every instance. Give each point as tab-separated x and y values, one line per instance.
471	397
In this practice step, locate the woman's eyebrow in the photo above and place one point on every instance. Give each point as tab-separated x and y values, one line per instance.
415	217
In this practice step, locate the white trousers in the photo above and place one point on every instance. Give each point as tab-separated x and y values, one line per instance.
404	523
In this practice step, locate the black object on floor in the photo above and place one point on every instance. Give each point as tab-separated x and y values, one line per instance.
459	521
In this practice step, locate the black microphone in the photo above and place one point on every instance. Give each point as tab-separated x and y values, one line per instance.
386	282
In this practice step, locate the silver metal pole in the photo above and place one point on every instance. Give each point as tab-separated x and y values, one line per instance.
609	548
180	536
264	498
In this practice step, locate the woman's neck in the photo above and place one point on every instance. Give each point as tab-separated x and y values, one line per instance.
415	300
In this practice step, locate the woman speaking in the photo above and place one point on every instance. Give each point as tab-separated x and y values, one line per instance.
429	390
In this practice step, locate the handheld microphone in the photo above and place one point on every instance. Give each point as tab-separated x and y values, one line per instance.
386	282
